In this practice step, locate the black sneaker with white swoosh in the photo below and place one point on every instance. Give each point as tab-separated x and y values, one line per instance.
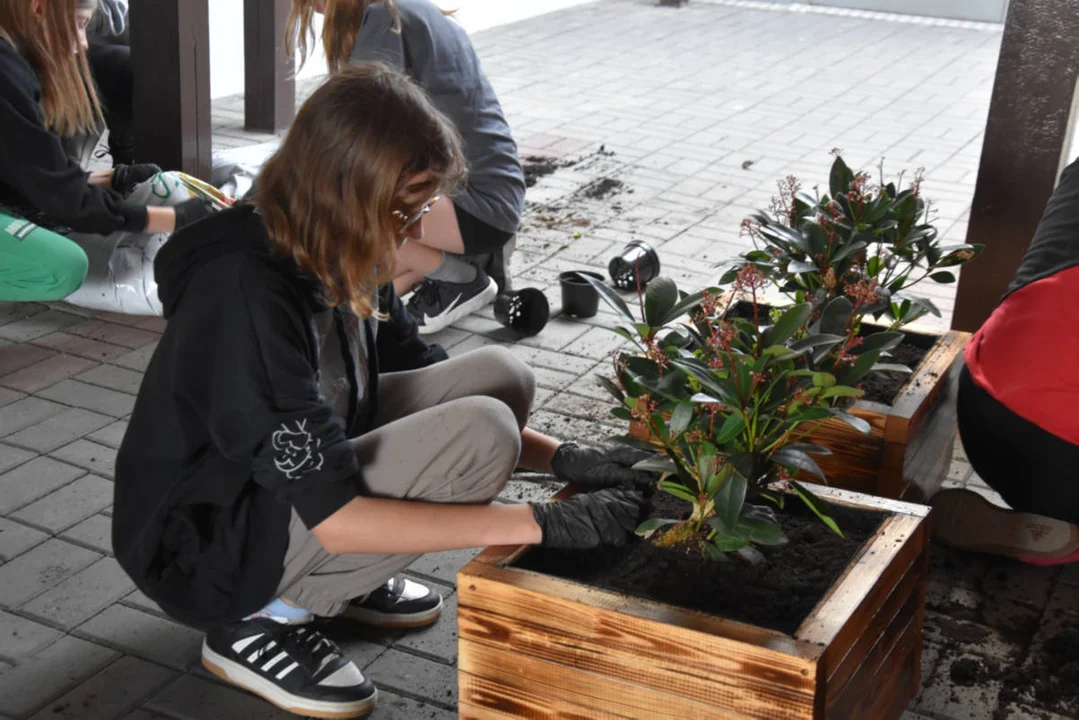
437	304
295	667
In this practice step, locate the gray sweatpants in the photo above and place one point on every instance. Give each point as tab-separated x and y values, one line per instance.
449	433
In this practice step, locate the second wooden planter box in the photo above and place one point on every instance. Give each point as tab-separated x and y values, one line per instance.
536	646
908	450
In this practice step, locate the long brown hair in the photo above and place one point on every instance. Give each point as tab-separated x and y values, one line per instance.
341	22
48	43
328	194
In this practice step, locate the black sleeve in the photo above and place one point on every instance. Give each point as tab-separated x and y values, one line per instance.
34	165
399	344
1055	246
265	404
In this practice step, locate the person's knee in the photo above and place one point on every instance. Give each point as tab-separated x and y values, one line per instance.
489	427
71	277
507	379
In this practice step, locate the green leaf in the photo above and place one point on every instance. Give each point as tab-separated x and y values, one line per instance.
761	531
684	306
790	322
943	277
703	374
714	553
813	341
678	490
730	543
622	413
610	297
731	428
751	555
649	526
717	479
881	341
809	448
656	463
841	391
823	380
873	266
834	316
730	498
800	266
853	420
797	459
704	399
814	503
850	248
891	367
659	297
681	417
780	352
840	179
611	387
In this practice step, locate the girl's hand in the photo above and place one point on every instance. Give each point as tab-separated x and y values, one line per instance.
589	520
126	177
591	468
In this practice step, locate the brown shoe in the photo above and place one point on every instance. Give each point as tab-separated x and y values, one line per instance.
966	520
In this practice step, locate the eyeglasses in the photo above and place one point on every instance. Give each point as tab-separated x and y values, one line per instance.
408	221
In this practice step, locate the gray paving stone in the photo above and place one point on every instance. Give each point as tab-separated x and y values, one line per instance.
90	397
438	641
26	412
70	504
89	456
45	373
945	699
116	690
34	479
12	457
82	595
415	676
442	566
17	357
111	435
82	346
9	396
59	430
94	532
49	674
37	325
394	707
21	638
191	698
113	333
136	359
145	636
16	538
114	378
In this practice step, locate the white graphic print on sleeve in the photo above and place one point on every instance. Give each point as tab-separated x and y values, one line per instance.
297	452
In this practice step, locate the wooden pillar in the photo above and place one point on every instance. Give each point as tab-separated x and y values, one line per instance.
170	52
1029	117
269	85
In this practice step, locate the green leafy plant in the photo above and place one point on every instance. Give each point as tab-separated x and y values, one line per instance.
868	242
728	403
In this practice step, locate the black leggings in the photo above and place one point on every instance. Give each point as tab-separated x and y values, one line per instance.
1032	469
111	67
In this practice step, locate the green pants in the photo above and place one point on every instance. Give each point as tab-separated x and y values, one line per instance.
37	264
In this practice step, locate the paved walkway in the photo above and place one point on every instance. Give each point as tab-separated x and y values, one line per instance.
698	111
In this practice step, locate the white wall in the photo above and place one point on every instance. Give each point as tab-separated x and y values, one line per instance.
227	40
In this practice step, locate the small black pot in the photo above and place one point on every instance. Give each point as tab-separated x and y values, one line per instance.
578	296
525	311
636	266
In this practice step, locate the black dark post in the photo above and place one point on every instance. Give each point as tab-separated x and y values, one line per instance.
1025	139
269	86
170	51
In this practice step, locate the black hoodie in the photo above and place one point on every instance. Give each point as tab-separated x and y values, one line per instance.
229	432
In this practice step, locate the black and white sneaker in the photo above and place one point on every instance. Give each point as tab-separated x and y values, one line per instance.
295	667
400	603
437	304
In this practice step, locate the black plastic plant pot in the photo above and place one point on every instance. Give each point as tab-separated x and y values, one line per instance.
635	267
579	297
526	310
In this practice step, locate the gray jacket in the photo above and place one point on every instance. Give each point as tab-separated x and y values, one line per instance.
437	53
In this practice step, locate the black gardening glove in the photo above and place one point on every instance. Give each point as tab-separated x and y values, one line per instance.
190	211
589	520
591	468
126	177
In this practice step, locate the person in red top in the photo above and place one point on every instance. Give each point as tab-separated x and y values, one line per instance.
1018	402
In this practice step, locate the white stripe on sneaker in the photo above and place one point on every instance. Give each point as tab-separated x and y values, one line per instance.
276	659
261	651
240	645
281	675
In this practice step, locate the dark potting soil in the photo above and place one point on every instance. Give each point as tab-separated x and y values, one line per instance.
1049	677
602	188
537	166
879	387
778	593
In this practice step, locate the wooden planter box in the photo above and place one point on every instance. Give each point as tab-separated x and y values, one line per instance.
908	450
536	646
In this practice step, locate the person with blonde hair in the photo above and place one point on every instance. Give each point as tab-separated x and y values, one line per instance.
415	36
271	473
46	92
